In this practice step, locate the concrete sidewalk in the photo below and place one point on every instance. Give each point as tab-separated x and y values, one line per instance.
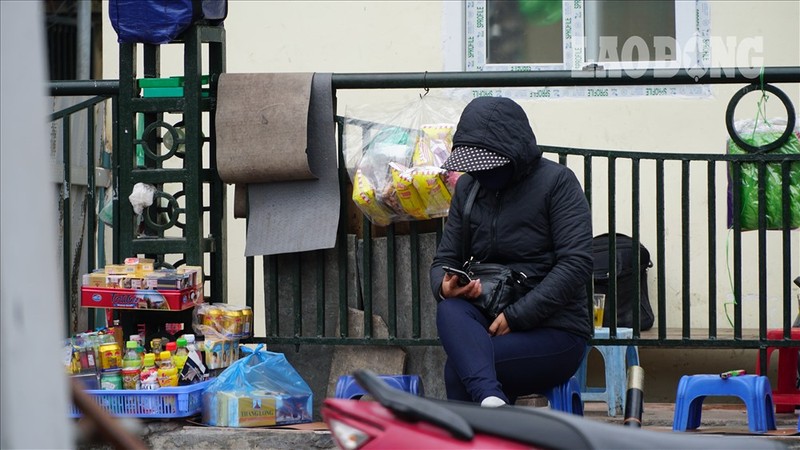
724	419
181	434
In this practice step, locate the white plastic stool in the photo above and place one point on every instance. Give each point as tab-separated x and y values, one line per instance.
616	359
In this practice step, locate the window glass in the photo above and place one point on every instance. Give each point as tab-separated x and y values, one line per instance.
619	30
525	35
525	31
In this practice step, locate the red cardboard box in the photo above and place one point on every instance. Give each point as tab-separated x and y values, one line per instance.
163	300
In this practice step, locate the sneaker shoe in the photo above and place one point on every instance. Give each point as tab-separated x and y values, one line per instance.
492	402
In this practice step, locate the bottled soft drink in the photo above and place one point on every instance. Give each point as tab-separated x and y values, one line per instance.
149	374
191	345
181	353
140	346
156	346
171	347
131	359
167	372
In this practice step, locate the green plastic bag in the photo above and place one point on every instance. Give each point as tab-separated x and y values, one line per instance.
762	135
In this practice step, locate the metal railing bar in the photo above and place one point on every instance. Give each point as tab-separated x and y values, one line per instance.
711	200
737	250
415	285
320	262
391	279
723	75
686	256
786	240
297	293
270	264
727	75
636	237
611	296
73	88
91	229
744	157
84	105
66	217
367	279
341	239
249	280
762	250
661	250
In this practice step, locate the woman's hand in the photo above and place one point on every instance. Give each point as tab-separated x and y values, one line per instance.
450	288
500	326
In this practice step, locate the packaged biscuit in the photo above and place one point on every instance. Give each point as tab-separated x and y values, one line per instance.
432	190
138	266
433	144
195	273
407	194
367	200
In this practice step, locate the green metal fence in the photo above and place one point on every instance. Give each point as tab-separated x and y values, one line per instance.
81	250
383	270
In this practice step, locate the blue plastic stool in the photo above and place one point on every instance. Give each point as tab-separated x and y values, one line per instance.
616	359
566	397
347	387
754	390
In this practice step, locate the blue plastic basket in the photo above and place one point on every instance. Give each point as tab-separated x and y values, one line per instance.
161	403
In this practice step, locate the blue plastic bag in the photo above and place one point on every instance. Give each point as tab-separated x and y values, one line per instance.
160	21
260	389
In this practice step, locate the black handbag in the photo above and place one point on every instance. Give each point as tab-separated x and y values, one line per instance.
500	285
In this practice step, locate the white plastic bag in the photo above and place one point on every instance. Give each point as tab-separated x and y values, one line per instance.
141	197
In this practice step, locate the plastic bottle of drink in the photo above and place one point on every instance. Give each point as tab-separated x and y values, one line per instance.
131	358
156	345
140	346
171	347
191	346
149	374
181	353
167	372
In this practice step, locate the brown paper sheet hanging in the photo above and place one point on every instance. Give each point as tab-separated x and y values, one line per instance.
300	215
261	127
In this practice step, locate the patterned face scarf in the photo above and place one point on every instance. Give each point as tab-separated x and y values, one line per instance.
496	178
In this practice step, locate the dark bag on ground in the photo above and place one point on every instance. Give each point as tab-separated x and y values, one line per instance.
626	280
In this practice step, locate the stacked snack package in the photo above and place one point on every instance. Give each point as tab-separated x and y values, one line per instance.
222	326
136	283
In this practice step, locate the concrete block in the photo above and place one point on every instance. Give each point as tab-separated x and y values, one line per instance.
382	360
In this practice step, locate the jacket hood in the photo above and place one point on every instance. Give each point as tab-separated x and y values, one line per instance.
499	124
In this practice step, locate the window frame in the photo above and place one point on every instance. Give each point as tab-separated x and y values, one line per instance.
692	51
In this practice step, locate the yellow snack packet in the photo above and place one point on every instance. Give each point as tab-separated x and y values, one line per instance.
433	144
366	200
406	192
432	190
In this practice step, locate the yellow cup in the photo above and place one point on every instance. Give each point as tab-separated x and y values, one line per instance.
599	308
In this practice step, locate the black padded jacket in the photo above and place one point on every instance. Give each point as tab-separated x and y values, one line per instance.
540	224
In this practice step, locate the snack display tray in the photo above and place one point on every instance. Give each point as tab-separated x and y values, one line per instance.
161	403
